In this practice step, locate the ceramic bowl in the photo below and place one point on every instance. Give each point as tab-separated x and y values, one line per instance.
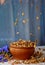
21	53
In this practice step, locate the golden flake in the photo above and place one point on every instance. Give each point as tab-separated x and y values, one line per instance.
23	13
20	1
38	27
17	33
37	17
24	21
15	23
29	40
20	39
17	20
2	1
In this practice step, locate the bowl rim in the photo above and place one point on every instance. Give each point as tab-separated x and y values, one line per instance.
22	47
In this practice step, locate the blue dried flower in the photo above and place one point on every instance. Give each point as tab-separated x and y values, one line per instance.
3	52
1	58
0	50
5	60
5	49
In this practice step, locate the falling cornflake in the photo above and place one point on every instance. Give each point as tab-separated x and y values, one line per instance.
20	1
37	17
17	33
23	13
24	21
38	27
2	1
16	22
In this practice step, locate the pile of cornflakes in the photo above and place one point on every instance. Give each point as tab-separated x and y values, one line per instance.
23	43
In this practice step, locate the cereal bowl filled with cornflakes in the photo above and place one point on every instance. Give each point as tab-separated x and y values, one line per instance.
22	49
